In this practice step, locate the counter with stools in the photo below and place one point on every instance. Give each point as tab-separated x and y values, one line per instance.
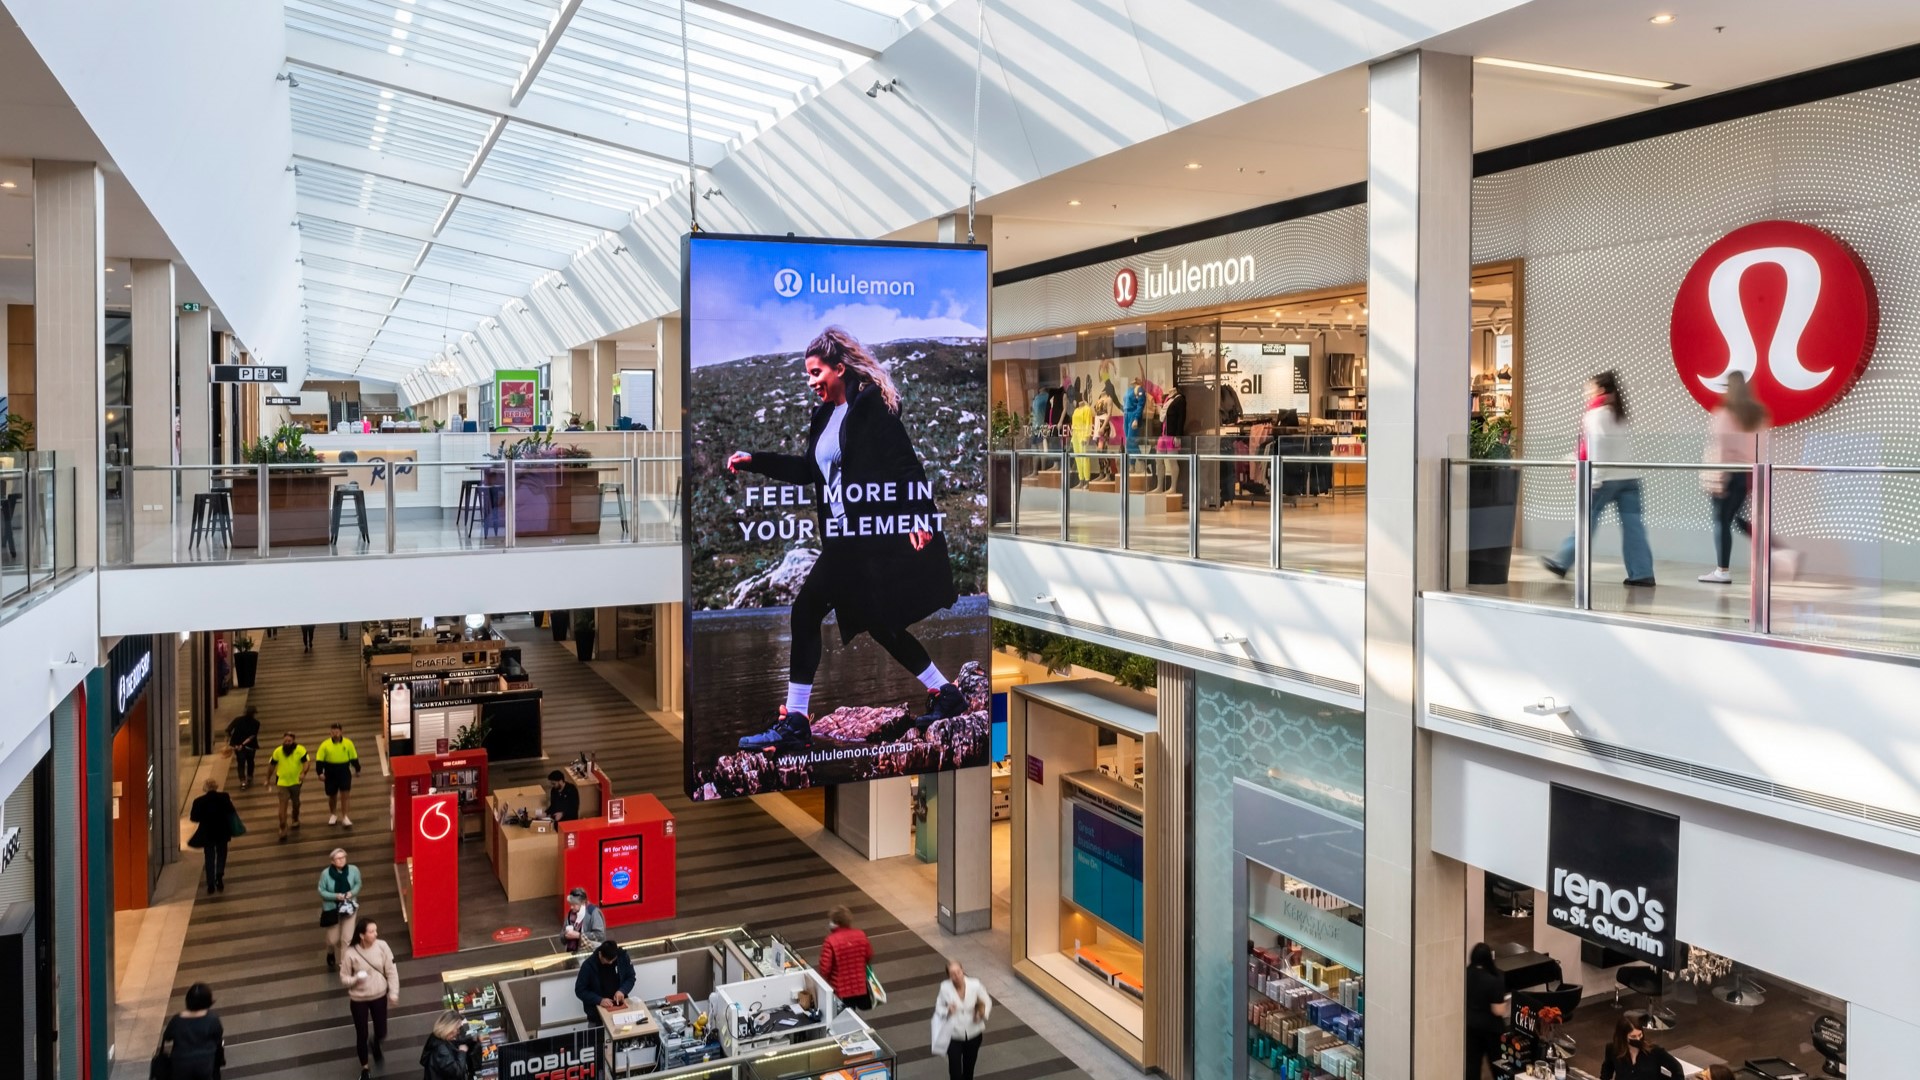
1651	983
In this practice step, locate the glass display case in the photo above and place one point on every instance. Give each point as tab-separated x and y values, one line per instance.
861	1056
1306	997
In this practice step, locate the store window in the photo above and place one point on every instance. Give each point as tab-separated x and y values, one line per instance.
1308	753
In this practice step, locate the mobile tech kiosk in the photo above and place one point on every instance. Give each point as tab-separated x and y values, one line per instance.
715	1003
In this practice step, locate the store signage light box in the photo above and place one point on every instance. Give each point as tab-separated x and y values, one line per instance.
1613	875
1786	305
248	373
837	557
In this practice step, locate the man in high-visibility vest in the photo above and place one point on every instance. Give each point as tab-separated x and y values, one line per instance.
289	763
339	762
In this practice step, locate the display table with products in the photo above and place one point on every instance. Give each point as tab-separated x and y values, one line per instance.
683	1018
522	844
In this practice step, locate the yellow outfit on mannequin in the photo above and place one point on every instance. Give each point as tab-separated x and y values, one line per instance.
1082	436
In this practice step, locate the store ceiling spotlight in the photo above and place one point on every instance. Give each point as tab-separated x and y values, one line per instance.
1547	706
1232	639
1578	73
879	87
1046	598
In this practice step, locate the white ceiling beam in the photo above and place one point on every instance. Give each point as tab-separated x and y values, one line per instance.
829	22
480	95
486	147
539	60
448	182
472	305
521	254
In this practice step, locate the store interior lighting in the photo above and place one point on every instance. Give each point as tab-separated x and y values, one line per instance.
1578	73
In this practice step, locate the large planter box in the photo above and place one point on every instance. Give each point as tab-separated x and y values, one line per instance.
1493	501
297	508
549	500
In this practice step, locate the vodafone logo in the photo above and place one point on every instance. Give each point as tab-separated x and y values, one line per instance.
435	822
1788	306
1126	287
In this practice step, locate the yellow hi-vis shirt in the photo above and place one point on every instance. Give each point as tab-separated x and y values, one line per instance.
336	753
287	764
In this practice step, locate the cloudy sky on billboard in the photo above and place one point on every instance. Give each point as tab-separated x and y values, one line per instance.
749	299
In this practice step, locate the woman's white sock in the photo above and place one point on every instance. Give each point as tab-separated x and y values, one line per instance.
799	695
931	678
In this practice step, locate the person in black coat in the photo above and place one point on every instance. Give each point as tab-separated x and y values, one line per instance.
603	981
883	562
1487	1005
213	812
1631	1057
451	1051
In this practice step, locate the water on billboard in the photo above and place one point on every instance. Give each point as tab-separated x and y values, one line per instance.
835	466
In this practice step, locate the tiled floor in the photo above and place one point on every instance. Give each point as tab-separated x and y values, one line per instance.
257	944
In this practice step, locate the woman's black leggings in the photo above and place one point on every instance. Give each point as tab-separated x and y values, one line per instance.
810	608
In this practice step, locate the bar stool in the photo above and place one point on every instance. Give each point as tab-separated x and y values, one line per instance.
212	516
9	506
469	505
489	498
620	495
340	497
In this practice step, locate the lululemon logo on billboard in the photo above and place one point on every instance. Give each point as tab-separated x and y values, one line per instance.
1784	304
1613	874
788	283
1126	287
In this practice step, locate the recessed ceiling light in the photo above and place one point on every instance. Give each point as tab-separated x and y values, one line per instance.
1073	202
109	269
1193	164
1661	19
8	184
1578	73
1366	108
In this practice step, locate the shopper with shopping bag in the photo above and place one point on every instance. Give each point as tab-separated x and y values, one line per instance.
960	1020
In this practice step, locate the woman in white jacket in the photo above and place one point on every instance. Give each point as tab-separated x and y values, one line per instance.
959	1020
1603	438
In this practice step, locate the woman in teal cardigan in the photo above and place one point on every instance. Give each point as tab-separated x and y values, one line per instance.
339	899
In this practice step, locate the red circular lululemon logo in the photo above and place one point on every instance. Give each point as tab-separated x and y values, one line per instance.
1126	287
1786	305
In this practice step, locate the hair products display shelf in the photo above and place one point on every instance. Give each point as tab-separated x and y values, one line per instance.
1305	1017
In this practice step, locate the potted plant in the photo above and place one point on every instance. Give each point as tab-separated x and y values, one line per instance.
558	621
245	660
16	435
583	634
1493	501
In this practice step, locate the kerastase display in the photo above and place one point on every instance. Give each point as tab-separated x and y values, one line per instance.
836	403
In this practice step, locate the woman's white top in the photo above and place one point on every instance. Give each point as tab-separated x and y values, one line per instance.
1607	439
826	454
957	1007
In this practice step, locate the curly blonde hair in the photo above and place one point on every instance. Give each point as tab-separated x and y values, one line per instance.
837	348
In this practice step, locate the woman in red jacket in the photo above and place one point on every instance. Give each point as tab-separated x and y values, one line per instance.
844	957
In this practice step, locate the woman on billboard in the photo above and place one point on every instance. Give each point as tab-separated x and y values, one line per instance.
876	578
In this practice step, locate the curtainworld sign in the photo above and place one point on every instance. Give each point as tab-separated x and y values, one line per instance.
1613	875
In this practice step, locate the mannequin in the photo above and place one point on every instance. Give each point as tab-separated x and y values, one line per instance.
1082	438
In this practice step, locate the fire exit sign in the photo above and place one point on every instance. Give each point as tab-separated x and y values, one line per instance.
190	307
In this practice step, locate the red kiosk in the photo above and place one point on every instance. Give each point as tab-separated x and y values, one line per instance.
414	775
625	860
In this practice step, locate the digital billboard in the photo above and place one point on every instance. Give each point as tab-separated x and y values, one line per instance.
620	871
835	494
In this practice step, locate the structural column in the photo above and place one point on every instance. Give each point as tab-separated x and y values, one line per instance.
606	365
965	809
70	372
672	364
1419	184
561	390
150	495
669	662
196	398
580	384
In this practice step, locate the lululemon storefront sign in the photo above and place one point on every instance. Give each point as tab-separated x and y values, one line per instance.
1169	280
1613	875
1784	304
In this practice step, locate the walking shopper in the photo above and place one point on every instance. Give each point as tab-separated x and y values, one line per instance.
1603	437
604	981
289	764
585	926
306	638
960	1021
339	900
450	1047
218	824
243	738
1734	432
373	985
193	1042
1487	1005
843	960
339	764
